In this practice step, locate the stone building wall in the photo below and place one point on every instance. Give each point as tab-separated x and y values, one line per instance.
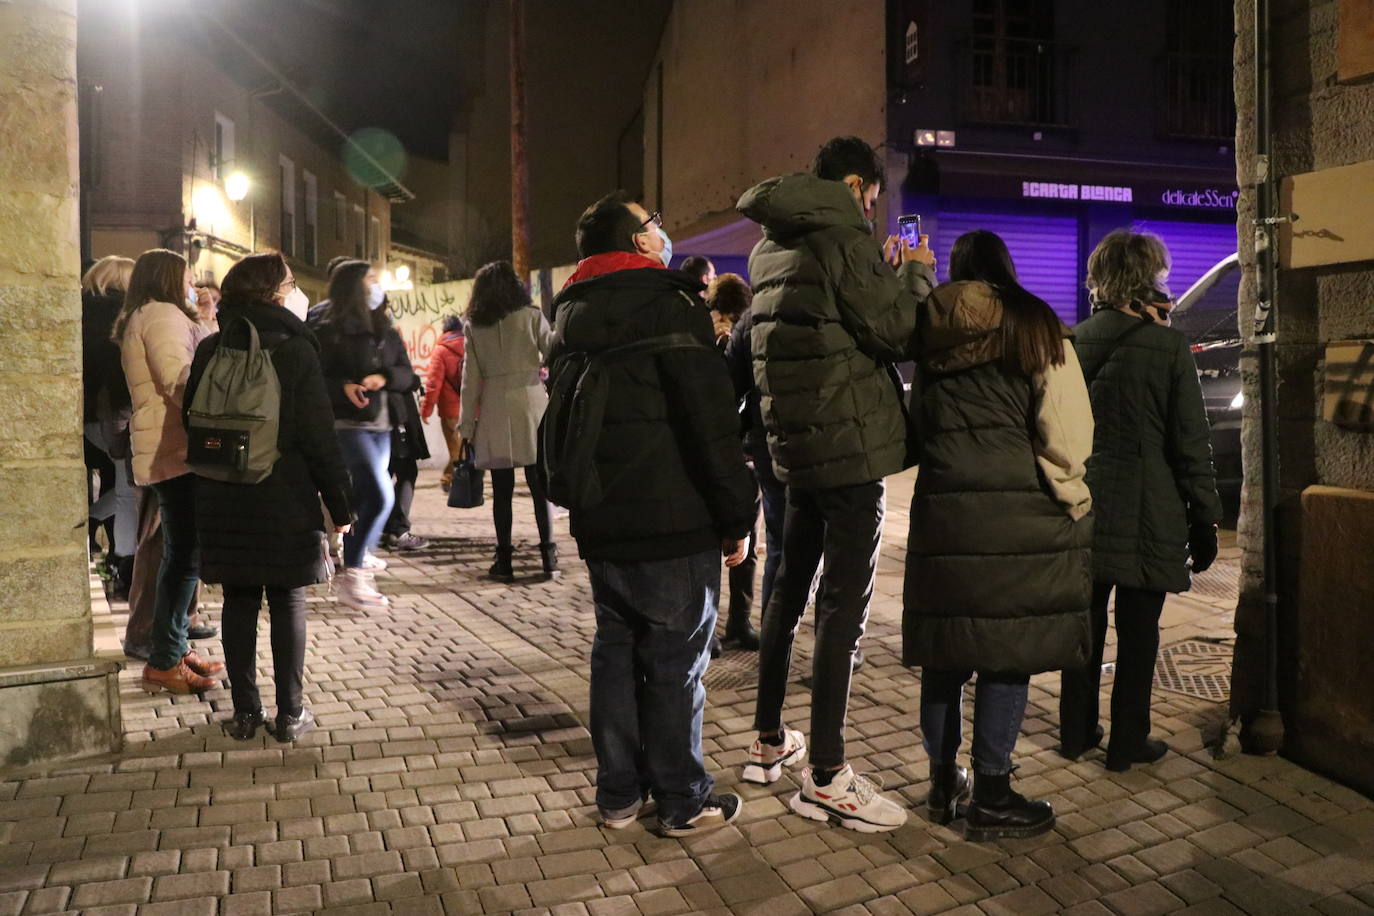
1319	123
55	699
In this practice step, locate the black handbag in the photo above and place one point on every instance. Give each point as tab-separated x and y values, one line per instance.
468	479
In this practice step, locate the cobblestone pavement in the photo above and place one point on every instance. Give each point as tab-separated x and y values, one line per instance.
452	773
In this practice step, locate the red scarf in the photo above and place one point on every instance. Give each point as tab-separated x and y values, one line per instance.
610	262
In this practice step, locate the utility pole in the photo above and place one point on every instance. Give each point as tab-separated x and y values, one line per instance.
519	164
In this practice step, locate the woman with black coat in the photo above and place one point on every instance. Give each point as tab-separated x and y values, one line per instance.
369	376
269	536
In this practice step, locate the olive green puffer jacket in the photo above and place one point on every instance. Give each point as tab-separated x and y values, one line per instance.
830	315
1151	471
998	568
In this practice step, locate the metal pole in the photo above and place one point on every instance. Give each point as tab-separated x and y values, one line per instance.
519	164
1264	733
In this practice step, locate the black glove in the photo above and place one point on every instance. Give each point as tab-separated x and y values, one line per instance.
1202	545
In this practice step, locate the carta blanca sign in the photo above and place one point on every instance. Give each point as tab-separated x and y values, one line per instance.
1207	198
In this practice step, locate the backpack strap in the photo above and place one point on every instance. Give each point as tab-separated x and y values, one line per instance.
1089	377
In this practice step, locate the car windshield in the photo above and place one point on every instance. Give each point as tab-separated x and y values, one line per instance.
1213	317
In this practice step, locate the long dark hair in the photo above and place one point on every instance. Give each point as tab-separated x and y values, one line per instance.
254	278
1032	334
348	299
159	275
496	292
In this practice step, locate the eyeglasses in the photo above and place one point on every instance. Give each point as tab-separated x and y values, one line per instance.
655	219
289	283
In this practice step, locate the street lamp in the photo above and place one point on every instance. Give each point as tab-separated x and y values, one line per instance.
236	186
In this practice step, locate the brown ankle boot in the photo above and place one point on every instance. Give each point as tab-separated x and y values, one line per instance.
201	666
174	680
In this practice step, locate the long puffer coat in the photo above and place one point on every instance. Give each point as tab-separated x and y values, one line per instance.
350	350
503	396
998	556
830	316
271	532
155	350
1151	471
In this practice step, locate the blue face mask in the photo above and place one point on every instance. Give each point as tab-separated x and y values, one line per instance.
375	295
666	255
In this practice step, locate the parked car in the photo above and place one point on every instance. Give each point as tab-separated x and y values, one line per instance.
1206	313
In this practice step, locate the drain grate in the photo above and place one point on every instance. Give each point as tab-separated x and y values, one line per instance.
1195	668
1221	581
737	669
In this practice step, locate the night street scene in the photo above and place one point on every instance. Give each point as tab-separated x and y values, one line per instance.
687	456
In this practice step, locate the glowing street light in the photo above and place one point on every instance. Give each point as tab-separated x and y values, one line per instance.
236	186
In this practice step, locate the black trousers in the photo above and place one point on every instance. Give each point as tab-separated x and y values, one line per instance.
503	494
406	471
845	525
286	608
1137	645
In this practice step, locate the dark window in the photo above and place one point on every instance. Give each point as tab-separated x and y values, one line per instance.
1013	70
288	218
1198	100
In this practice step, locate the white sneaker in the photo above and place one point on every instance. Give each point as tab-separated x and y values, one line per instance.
373	562
766	760
854	799
357	590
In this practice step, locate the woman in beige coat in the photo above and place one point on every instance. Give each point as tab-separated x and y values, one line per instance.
157	331
503	400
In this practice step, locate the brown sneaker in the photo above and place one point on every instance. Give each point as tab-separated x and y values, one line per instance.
201	666
174	680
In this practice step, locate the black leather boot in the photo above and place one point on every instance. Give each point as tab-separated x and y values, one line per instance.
997	812
549	554
1073	748
739	632
949	785
502	570
244	725
1119	761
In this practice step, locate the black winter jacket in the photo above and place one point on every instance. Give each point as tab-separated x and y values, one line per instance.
102	376
830	317
272	532
739	356
349	352
1151	472
669	452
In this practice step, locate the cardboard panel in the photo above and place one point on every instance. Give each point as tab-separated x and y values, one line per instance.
1355	44
1335	210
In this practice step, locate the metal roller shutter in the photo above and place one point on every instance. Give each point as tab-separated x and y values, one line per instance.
1044	249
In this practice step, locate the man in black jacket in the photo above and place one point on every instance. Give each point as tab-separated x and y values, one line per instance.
830	316
678	496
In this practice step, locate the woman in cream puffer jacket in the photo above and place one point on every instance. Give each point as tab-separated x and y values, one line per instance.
157	331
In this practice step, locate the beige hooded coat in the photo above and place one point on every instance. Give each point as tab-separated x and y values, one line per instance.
156	350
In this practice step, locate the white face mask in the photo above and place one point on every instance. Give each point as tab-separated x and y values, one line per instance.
666	255
297	303
375	295
192	302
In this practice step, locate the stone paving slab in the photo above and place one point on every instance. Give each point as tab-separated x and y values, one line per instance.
452	773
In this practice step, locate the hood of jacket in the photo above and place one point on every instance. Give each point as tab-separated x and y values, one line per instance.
800	203
453	341
650	278
959	327
275	324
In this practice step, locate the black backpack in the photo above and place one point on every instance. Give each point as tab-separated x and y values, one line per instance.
579	387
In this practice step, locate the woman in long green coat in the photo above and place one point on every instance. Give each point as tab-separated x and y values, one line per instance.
1153	485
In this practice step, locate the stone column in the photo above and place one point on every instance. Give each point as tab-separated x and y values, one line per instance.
56	700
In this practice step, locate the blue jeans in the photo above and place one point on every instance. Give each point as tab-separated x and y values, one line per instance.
654	621
999	704
773	495
367	454
121	500
179	573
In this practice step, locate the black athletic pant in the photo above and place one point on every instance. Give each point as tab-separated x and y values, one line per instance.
844	524
502	494
1137	644
406	472
286	607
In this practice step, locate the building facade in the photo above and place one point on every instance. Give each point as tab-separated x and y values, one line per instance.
166	138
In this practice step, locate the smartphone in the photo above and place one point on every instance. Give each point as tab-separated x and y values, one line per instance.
909	227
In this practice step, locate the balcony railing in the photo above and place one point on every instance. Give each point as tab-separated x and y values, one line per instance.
1197	98
1015	81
